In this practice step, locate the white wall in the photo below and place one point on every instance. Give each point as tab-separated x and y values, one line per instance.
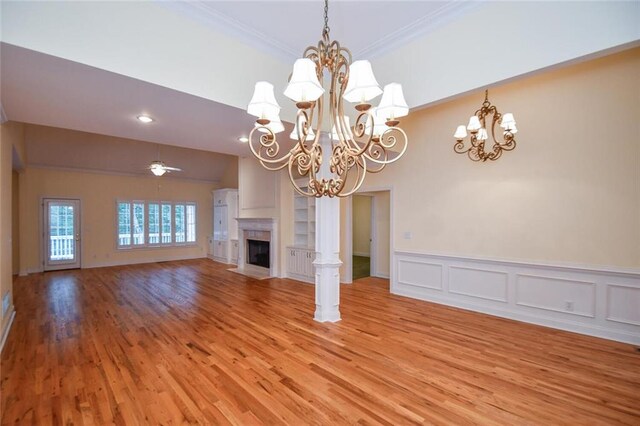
501	40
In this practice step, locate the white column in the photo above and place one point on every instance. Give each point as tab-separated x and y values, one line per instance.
327	261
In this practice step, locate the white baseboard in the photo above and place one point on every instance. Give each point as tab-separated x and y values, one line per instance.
361	254
302	278
106	264
7	328
381	275
125	262
600	302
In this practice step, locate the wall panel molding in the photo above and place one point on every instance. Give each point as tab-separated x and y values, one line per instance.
602	302
480	283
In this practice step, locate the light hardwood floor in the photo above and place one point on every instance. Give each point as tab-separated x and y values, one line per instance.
189	342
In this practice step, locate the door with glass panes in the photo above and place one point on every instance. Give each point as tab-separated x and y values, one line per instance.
61	234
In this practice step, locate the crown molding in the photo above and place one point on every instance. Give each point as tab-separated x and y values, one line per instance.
419	28
209	16
206	14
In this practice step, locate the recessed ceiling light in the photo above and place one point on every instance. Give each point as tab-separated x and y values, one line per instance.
243	139
145	118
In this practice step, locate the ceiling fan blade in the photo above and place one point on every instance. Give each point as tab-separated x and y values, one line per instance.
173	169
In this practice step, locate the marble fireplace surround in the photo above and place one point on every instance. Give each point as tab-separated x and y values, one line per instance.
263	229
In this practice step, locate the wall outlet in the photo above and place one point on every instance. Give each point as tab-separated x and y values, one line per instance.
407	235
568	306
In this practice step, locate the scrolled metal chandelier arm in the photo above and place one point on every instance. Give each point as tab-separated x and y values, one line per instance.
352	151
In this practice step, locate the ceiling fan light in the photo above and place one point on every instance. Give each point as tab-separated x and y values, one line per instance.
263	103
362	85
157	169
304	85
393	105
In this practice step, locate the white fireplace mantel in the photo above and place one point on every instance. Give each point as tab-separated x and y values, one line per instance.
245	226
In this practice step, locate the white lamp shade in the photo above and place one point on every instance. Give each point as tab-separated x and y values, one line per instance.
304	85
349	133
392	105
275	125
263	103
511	129
461	132
507	120
378	123
474	123
294	134
482	134
362	85
157	169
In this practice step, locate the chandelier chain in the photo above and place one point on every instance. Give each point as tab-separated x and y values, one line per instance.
325	30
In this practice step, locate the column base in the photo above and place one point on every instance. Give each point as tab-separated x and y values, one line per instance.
331	315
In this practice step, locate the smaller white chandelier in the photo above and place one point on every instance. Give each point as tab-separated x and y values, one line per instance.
479	135
373	142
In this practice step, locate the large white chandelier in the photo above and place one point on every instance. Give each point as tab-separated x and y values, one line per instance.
373	142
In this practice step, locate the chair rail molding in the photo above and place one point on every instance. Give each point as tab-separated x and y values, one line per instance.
596	301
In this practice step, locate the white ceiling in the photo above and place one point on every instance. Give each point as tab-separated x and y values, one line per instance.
286	28
50	91
218	49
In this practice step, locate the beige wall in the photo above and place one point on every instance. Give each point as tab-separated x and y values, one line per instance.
569	192
98	194
11	135
15	223
361	209
230	177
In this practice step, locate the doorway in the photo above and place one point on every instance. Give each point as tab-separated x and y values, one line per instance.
362	238
61	234
368	248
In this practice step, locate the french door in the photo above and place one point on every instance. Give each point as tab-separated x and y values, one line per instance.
61	234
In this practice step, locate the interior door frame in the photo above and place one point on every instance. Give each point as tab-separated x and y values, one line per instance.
347	258
43	233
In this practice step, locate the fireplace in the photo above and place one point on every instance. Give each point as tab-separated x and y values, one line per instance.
258	253
258	247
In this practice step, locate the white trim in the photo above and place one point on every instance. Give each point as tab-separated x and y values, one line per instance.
565	297
384	276
7	328
420	27
347	256
142	261
44	233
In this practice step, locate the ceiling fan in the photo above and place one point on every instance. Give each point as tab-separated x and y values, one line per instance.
158	168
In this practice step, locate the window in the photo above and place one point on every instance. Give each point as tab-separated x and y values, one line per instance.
152	223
